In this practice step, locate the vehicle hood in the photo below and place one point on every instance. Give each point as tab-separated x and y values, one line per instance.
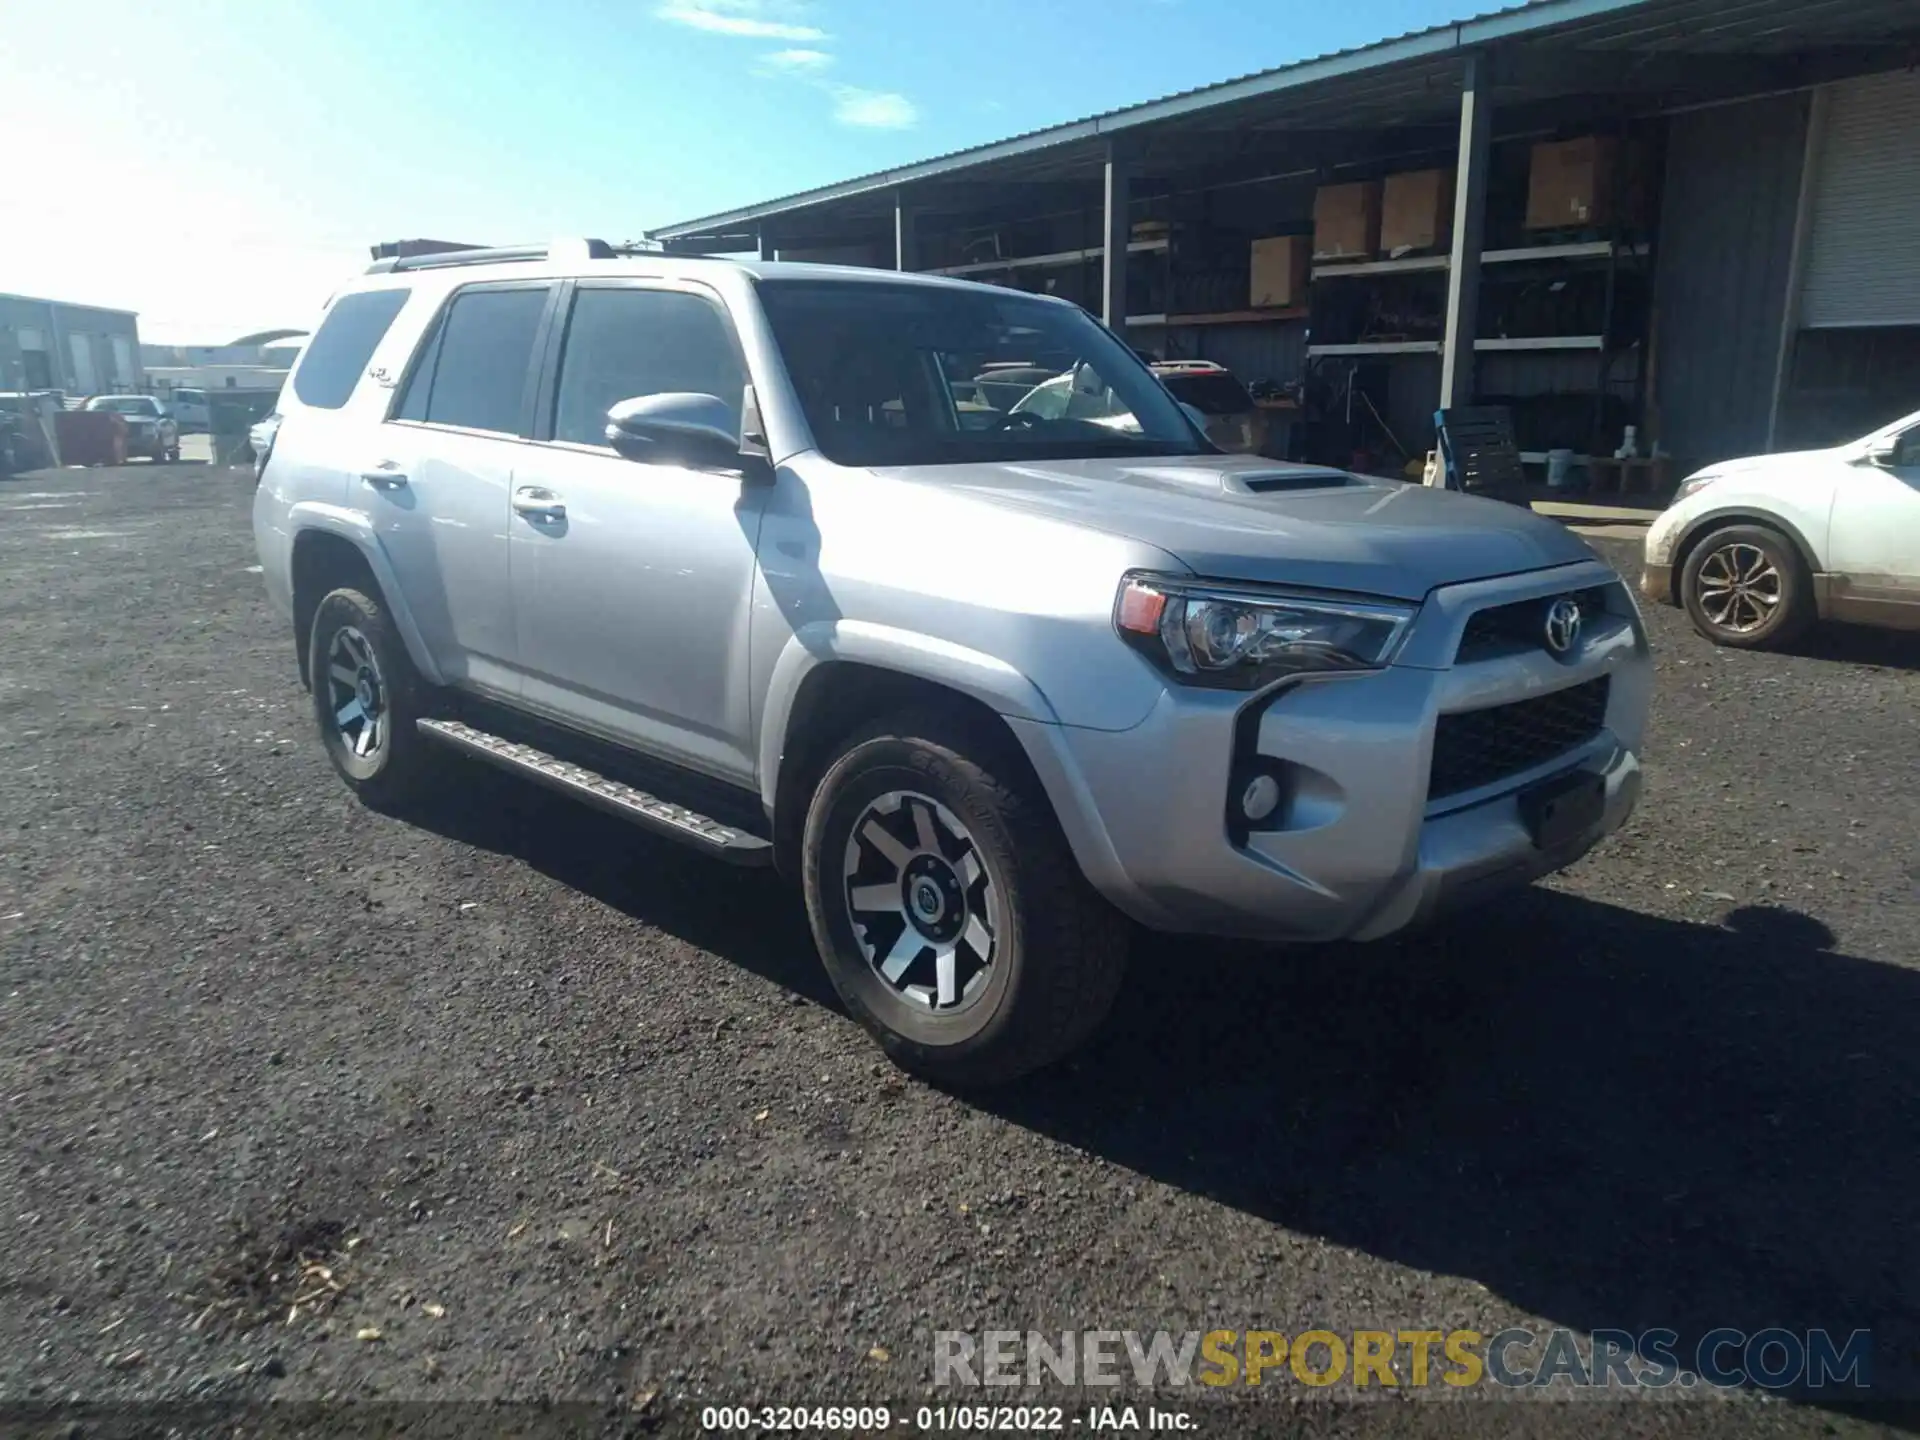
1244	518
1785	462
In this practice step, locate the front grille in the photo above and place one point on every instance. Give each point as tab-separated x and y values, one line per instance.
1520	626
1478	747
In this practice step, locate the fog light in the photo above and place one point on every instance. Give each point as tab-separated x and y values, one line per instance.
1260	797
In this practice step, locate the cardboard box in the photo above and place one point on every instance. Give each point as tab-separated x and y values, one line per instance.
1279	266
1416	211
1346	221
1570	184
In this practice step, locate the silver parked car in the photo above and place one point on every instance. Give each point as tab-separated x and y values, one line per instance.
712	545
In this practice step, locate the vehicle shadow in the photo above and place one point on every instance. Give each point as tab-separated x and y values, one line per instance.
1608	1119
1860	645
747	916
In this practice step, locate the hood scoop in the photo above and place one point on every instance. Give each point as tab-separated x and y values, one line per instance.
1266	482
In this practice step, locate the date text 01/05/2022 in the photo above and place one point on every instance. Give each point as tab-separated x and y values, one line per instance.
864	1419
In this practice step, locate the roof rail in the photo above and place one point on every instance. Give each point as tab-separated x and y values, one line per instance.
494	255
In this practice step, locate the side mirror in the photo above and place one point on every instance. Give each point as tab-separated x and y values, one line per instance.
676	428
1884	453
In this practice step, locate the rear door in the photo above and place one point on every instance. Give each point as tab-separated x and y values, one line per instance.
632	581
436	478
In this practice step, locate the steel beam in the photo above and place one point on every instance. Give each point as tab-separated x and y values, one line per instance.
1115	231
1469	223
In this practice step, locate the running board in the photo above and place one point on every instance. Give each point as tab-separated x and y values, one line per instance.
617	798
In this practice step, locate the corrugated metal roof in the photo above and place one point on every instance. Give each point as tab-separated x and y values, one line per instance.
1382	82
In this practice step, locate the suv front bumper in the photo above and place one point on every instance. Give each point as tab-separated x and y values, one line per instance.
1358	849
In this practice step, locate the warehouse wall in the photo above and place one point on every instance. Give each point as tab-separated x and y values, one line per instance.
1726	237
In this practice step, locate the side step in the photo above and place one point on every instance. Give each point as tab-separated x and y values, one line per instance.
674	821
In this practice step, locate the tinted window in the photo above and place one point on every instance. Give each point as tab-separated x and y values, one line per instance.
476	375
623	343
341	347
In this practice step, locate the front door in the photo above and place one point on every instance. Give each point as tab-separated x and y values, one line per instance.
437	482
632	582
1874	543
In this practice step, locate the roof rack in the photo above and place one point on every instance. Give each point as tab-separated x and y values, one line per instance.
493	255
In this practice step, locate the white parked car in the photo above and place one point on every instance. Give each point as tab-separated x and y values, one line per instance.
1758	549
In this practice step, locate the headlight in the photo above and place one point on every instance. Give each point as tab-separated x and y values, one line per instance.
1692	484
1240	638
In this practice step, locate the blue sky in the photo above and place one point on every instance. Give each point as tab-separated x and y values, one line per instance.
220	166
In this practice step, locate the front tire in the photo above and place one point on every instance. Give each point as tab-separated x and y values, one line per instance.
1746	586
366	699
951	916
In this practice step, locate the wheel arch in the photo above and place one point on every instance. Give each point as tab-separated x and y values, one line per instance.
1715	520
818	699
332	547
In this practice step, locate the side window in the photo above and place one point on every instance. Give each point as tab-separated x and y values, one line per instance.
337	355
626	342
474	374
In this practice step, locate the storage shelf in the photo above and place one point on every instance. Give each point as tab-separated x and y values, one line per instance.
1543	342
1041	262
1334	269
1275	315
1379	347
1581	250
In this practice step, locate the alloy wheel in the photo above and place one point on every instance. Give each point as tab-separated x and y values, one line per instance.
927	916
356	693
1740	588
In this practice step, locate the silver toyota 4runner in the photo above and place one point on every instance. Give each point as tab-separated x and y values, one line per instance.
769	559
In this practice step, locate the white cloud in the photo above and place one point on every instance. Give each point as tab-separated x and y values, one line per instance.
735	17
791	61
873	109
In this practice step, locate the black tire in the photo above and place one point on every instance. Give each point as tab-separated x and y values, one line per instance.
1771	605
398	765
1059	956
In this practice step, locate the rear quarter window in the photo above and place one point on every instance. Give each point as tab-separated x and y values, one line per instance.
337	356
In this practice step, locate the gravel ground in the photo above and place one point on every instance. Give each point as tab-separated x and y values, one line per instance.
512	1103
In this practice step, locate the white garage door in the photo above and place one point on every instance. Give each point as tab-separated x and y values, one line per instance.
1863	260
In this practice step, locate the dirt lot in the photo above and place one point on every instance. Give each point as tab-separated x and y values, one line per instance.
513	1103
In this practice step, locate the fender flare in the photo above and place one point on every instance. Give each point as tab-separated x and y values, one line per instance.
1734	513
358	531
985	678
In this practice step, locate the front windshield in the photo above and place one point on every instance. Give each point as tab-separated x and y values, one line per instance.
926	375
125	405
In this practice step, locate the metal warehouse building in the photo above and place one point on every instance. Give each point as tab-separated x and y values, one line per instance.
1700	218
80	349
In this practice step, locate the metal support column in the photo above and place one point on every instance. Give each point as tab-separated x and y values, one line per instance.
767	252
902	233
1818	108
1469	221
1115	232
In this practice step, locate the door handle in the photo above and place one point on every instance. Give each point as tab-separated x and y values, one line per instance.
538	503
385	478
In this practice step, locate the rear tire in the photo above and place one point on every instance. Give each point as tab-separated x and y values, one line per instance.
1745	586
366	699
950	914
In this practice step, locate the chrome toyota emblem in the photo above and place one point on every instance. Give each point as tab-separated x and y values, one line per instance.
1563	625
